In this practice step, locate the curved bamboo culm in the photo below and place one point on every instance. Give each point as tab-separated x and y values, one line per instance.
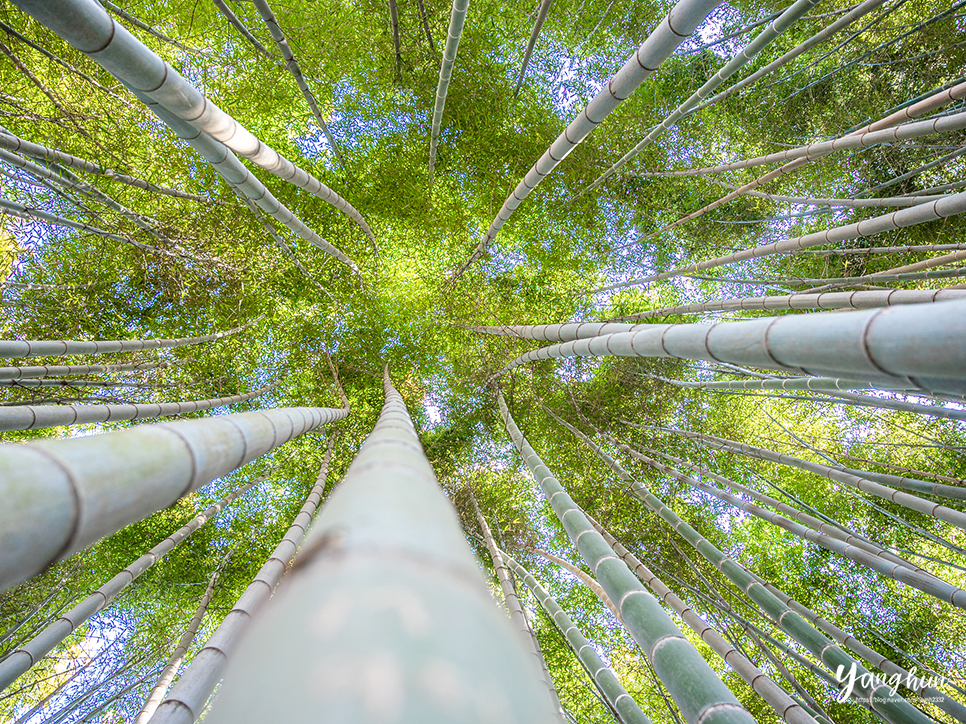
174	661
293	67
42	371
25	656
62	495
789	17
386	602
517	615
922	346
903	571
89	28
697	690
41	153
628	711
456	19
786	707
941	209
48	348
673	30
874	694
35	417
872	299
243	181
195	685
542	13
941	512
585	577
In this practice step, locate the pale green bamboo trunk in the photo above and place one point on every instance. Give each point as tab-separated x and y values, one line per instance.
386	616
695	688
628	711
121	477
456	19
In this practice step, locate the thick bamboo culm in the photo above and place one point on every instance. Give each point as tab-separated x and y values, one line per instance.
920	346
385	582
25	656
695	688
44	371
63	495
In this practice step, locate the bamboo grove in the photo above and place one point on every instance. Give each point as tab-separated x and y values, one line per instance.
572	361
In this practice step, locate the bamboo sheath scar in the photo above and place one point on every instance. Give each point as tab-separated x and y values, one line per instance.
35	417
679	24
22	658
386	601
919	346
89	28
62	495
199	680
628	710
694	686
893	709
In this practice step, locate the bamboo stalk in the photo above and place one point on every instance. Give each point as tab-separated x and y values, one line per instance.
62	495
88	27
456	19
921	346
542	13
940	512
628	711
673	30
760	683
293	67
174	661
693	685
46	348
25	656
387	605
893	709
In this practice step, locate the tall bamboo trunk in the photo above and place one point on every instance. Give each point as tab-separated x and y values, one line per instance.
386	616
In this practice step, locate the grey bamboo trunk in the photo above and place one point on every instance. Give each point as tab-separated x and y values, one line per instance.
63	495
